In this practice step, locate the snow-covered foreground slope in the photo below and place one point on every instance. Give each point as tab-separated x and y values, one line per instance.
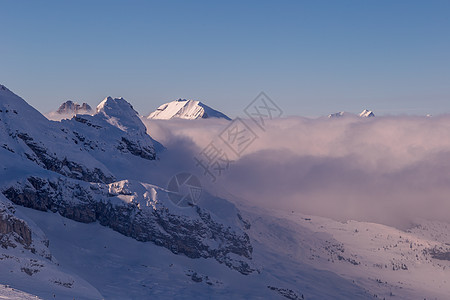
387	262
185	109
27	264
294	254
122	268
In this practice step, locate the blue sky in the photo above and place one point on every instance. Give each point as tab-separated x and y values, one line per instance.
311	57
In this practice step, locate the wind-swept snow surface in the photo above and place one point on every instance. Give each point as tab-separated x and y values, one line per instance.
185	109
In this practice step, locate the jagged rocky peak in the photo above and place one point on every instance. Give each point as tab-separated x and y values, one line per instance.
121	114
70	107
185	109
367	113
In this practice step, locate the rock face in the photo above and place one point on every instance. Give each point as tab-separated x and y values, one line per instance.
128	208
72	108
13	230
185	109
17	233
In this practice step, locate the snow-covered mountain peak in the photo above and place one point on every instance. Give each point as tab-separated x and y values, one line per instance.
367	113
121	114
110	104
185	109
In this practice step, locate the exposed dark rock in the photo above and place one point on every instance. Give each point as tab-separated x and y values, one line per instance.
29	271
85	202
86	122
13	228
137	150
286	293
62	166
440	253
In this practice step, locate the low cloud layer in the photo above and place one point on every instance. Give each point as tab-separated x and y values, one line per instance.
391	170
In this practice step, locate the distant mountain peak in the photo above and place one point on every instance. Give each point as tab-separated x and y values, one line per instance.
70	107
337	115
367	113
185	109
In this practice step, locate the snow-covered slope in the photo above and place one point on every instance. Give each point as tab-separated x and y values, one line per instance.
185	109
387	262
9	293
27	264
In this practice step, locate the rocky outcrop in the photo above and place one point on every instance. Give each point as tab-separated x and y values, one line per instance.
134	148
17	233
198	237
63	166
13	230
70	107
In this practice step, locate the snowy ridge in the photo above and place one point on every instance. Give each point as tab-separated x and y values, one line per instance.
185	109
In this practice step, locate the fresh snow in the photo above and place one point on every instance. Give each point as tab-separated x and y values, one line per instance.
367	114
185	109
8	293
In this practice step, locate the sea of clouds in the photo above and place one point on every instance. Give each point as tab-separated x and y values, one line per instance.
390	170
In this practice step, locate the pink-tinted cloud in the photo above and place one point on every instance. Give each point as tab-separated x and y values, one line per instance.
391	170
